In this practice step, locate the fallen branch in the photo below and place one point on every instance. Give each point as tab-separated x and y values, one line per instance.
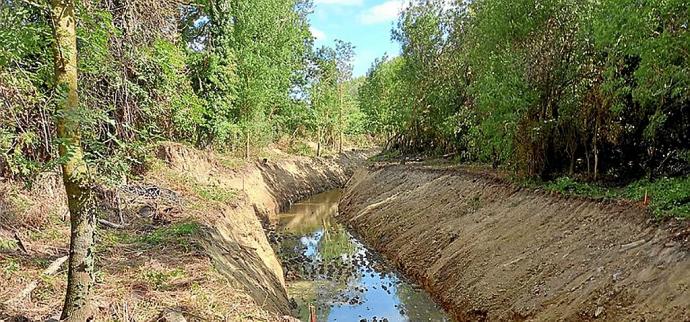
51	270
20	243
110	224
632	245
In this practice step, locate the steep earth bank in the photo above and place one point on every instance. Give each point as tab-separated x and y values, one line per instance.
488	250
234	237
187	238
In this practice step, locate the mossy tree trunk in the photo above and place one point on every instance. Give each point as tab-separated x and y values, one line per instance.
74	170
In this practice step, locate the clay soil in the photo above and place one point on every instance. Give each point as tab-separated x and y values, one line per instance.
488	250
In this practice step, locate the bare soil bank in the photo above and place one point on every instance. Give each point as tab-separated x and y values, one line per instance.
234	236
190	241
488	250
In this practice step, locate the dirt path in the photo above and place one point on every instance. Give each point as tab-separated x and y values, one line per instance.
488	250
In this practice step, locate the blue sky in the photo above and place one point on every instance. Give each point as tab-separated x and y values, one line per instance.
364	23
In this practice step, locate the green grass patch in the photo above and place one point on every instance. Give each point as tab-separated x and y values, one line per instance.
177	234
10	267
668	197
303	149
158	279
215	193
568	185
387	155
7	244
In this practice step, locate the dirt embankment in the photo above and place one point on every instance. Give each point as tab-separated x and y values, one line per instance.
234	236
488	250
186	238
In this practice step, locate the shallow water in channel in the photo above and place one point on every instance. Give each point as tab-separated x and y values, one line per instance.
327	267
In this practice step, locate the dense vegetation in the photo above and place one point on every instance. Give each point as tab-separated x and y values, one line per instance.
230	75
547	86
594	90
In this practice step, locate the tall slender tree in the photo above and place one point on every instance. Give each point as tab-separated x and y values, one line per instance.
75	173
344	55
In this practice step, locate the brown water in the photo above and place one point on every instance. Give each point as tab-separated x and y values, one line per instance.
329	268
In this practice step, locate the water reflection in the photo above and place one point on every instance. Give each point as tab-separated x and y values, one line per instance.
328	268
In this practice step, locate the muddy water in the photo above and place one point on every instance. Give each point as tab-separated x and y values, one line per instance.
328	268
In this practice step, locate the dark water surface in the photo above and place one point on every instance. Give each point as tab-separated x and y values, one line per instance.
330	269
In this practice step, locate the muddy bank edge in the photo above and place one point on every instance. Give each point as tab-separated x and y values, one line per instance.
234	237
488	250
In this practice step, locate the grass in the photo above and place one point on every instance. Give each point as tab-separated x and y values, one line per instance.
214	193
209	192
7	244
159	278
301	148
9	267
387	155
668	197
175	234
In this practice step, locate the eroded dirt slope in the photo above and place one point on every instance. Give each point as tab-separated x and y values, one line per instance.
188	238
234	235
488	250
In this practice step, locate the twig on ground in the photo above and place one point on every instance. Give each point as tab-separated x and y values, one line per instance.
51	270
20	243
110	224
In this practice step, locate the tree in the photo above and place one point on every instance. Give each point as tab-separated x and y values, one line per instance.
323	93
344	55
75	173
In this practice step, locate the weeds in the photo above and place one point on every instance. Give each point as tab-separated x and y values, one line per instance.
665	197
158	279
214	193
303	149
176	234
7	244
9	267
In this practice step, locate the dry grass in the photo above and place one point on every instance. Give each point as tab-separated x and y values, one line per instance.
142	270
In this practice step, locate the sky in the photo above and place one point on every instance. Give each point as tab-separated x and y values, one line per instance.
365	23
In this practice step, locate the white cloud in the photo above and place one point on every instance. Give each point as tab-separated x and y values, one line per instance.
385	12
318	34
340	2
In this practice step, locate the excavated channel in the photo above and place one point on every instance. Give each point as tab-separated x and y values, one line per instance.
329	269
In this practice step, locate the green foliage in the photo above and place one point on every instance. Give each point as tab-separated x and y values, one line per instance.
546	87
10	267
159	278
668	196
301	148
175	234
7	244
231	75
568	185
215	193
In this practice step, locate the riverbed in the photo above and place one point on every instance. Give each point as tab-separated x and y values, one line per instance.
329	269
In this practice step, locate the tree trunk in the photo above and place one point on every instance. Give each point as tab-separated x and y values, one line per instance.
318	143
74	171
246	145
340	119
595	148
596	163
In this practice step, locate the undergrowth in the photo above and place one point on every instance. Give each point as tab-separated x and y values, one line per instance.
176	233
666	197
